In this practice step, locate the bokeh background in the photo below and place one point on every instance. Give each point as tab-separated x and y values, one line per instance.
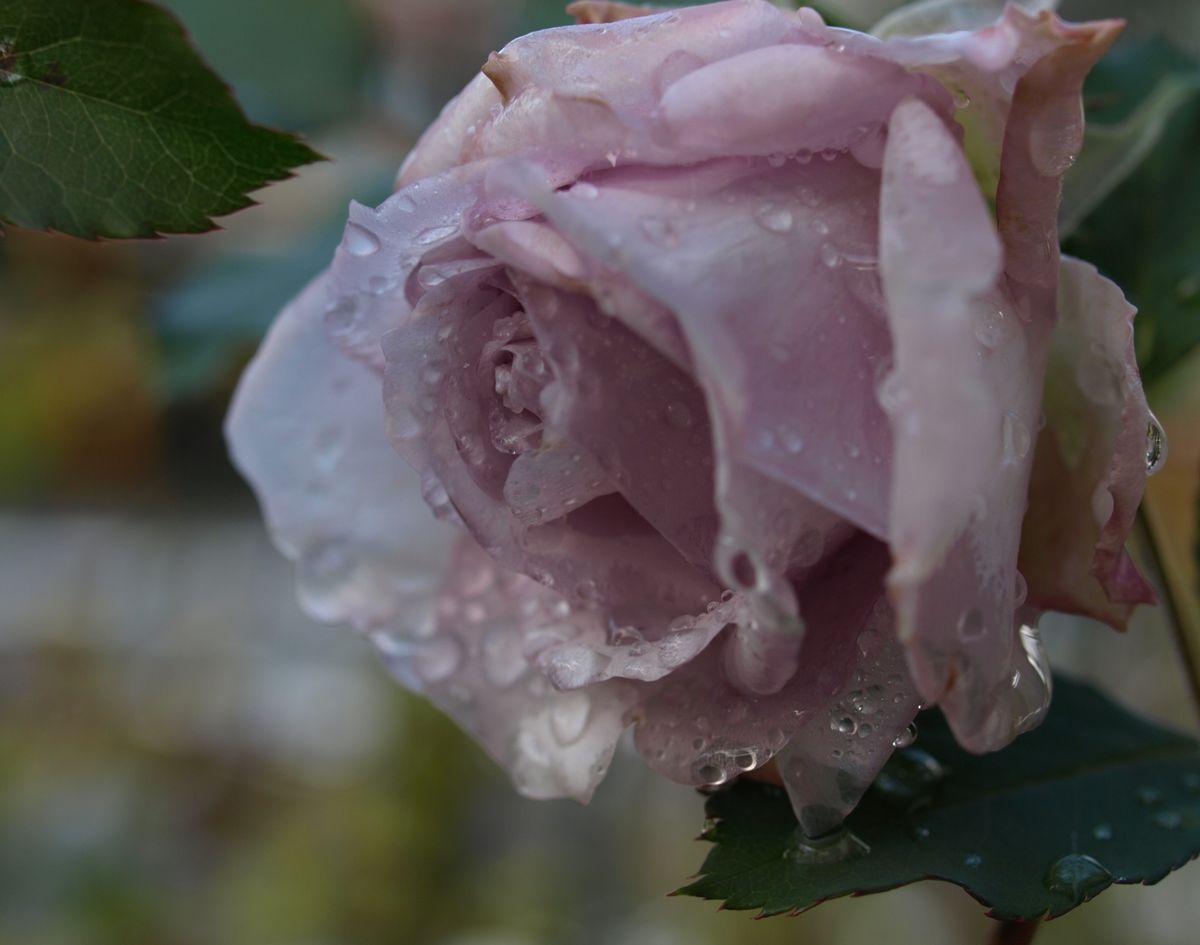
185	759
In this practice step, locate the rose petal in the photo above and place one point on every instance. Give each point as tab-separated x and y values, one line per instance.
474	666
697	727
307	431
444	143
963	407
821	98
1090	466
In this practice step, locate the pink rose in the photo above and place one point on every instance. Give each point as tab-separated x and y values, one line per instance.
716	341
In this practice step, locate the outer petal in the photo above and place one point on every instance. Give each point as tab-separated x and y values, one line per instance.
1090	466
475	666
444	143
768	225
307	431
837	716
963	403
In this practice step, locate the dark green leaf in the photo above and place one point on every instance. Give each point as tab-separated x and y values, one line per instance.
1144	235
1094	796
111	125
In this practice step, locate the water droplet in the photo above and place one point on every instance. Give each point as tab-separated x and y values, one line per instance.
679	416
341	316
435	234
840	846
775	218
1077	876
1016	438
1168	819
1099	379
1102	832
790	440
746	760
973	860
971	625
711	774
804	156
585	191
359	241
909	777
1054	140
830	257
503	661
659	231
843	725
777	160
891	392
1156	446
989	325
1149	796
1020	589
961	98
429	277
438	659
1103	504
907	737
569	715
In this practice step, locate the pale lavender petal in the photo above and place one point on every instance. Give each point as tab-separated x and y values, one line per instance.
845	705
781	406
962	402
821	98
307	430
1090	465
448	140
474	664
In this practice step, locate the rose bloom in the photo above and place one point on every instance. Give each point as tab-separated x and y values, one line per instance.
714	372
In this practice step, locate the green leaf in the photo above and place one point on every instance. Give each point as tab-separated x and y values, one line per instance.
1094	796
112	126
1144	235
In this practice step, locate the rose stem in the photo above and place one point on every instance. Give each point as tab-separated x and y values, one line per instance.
1179	606
1015	932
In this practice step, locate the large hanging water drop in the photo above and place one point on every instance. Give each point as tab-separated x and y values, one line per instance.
1156	446
1077	876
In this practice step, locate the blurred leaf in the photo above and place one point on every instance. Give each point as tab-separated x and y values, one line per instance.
294	63
224	306
111	125
1144	235
1094	796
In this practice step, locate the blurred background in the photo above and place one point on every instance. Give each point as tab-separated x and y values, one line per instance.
184	758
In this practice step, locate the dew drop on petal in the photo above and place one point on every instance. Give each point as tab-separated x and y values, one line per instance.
435	234
970	624
438	659
1156	446
1103	504
359	241
1016	438
679	416
569	716
843	725
907	737
775	218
